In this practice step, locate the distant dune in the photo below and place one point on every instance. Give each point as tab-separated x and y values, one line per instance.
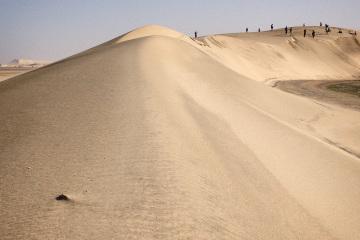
156	135
19	66
22	63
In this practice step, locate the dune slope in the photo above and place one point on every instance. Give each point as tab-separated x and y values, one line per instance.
153	138
272	56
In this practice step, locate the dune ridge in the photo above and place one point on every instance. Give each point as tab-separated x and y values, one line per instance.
154	135
273	56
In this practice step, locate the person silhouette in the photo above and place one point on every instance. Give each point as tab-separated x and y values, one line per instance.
286	30
247	30
304	32
259	30
272	27
313	33
196	34
327	28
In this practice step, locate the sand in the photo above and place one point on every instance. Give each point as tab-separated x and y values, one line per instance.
155	135
6	73
276	56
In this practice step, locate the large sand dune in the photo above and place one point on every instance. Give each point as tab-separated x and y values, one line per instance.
273	55
154	135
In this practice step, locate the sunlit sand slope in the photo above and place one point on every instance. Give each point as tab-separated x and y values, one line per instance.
271	56
153	138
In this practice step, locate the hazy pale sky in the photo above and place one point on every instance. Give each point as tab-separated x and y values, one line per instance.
54	29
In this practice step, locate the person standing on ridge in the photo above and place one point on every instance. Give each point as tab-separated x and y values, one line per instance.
272	27
327	28
313	33
286	30
196	34
304	32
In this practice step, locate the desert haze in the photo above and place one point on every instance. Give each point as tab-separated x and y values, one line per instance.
157	135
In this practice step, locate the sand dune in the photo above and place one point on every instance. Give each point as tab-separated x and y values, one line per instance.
154	135
6	73
277	56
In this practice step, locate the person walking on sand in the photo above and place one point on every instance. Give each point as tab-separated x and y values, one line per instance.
247	30
304	32
196	34
313	33
272	27
286	30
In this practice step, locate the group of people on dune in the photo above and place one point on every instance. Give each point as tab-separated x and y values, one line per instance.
313	33
290	30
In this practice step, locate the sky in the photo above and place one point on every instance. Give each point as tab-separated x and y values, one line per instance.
55	29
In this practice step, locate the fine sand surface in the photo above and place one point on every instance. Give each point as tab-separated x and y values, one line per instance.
6	73
154	135
272	56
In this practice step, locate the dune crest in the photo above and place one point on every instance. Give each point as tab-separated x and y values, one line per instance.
274	56
150	30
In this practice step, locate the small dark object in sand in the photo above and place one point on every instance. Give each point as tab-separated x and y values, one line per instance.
62	197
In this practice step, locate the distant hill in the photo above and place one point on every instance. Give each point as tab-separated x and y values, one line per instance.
26	63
